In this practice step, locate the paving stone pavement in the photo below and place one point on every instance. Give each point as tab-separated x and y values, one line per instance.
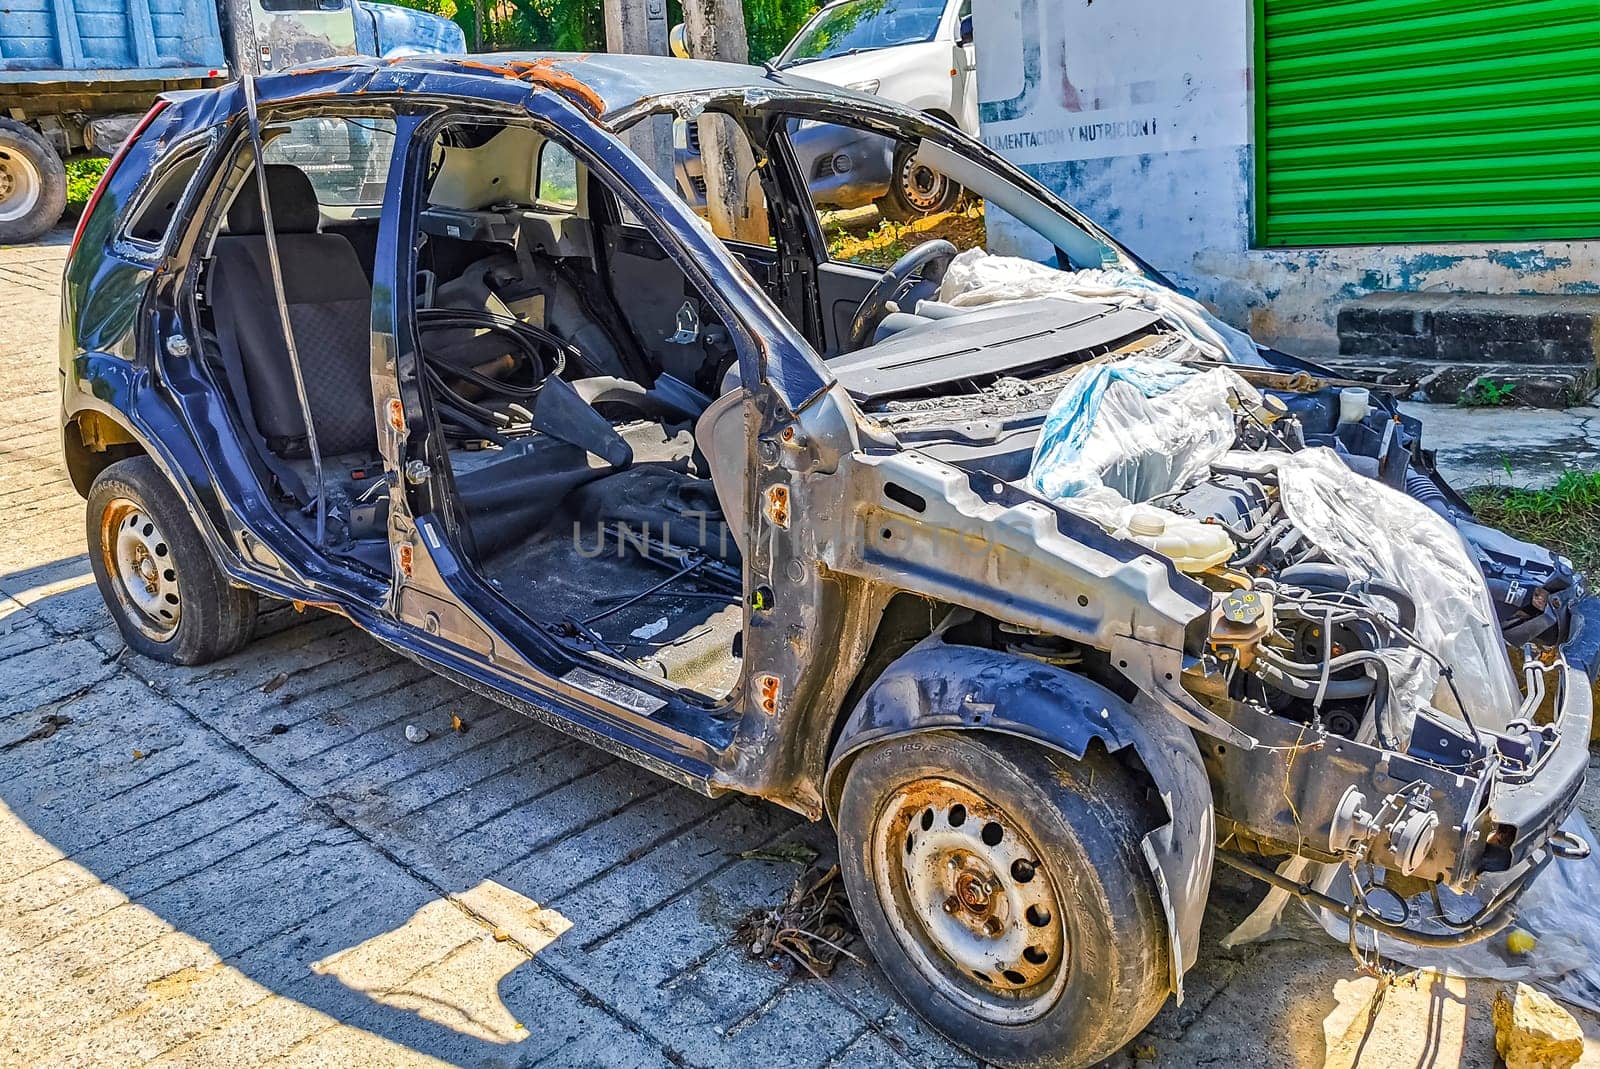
246	864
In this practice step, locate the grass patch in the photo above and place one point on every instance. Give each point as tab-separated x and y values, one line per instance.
882	244
1564	517
82	176
1484	392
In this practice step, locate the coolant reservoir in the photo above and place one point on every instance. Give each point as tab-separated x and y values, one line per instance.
1191	545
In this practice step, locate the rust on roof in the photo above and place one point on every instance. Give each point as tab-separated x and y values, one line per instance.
544	72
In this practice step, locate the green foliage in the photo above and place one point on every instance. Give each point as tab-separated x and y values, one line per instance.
82	176
770	23
1564	517
1486	393
580	25
445	8
546	25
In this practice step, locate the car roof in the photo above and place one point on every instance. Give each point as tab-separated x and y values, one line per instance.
599	82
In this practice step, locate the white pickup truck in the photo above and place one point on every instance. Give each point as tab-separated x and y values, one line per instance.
914	52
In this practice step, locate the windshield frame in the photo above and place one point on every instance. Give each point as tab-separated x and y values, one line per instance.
787	58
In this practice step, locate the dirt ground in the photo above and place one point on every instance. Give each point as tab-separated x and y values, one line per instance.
247	864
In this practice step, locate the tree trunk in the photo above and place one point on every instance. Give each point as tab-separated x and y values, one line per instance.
715	29
639	27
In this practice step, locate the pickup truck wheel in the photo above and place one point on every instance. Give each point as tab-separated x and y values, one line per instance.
916	190
170	600
1002	889
33	184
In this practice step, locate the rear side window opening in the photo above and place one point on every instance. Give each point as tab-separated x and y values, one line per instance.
558	177
149	220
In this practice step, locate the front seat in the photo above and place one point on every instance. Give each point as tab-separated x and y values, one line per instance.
330	312
721	437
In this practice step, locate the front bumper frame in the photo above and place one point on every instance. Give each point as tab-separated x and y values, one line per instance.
1283	795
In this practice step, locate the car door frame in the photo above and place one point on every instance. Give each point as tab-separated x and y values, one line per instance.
254	541
457	620
836	281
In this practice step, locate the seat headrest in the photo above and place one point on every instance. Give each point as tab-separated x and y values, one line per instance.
294	203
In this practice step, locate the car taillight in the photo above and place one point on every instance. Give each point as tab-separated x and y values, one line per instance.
111	169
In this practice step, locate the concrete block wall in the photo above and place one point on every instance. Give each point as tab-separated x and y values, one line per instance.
1140	113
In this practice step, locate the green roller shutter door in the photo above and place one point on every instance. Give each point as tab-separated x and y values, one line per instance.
1427	120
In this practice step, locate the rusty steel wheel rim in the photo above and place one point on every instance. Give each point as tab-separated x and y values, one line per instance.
970	900
923	187
143	574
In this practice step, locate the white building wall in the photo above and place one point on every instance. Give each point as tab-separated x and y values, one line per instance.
1139	113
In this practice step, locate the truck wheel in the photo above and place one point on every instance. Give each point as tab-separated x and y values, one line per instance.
170	600
33	184
1002	889
916	190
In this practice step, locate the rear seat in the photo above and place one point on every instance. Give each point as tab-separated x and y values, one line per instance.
330	312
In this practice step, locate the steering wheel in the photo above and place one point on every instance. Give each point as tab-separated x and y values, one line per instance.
928	261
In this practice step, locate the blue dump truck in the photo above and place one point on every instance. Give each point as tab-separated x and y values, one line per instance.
77	75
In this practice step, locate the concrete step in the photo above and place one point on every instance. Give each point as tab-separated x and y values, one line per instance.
1474	328
1474	383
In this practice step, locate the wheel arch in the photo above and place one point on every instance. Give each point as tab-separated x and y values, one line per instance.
92	441
944	686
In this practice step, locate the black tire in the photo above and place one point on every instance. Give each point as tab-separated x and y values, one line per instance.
916	192
170	600
33	184
1083	820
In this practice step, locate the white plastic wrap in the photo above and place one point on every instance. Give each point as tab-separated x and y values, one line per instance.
976	278
1126	431
1139	426
1556	909
1374	531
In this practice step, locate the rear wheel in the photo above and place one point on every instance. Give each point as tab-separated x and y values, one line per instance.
33	184
170	600
1002	889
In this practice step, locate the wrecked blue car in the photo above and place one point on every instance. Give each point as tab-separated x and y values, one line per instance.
1049	591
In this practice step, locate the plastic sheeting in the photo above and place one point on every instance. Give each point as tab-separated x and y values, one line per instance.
1139	426
1556	909
976	278
1129	430
1374	531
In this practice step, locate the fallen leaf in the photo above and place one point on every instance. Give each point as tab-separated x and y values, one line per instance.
274	683
49	724
457	724
811	929
138	755
798	853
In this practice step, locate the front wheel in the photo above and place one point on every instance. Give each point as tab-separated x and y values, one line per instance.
164	589
1002	889
33	184
916	190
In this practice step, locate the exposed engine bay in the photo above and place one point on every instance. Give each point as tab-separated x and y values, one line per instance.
1363	629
